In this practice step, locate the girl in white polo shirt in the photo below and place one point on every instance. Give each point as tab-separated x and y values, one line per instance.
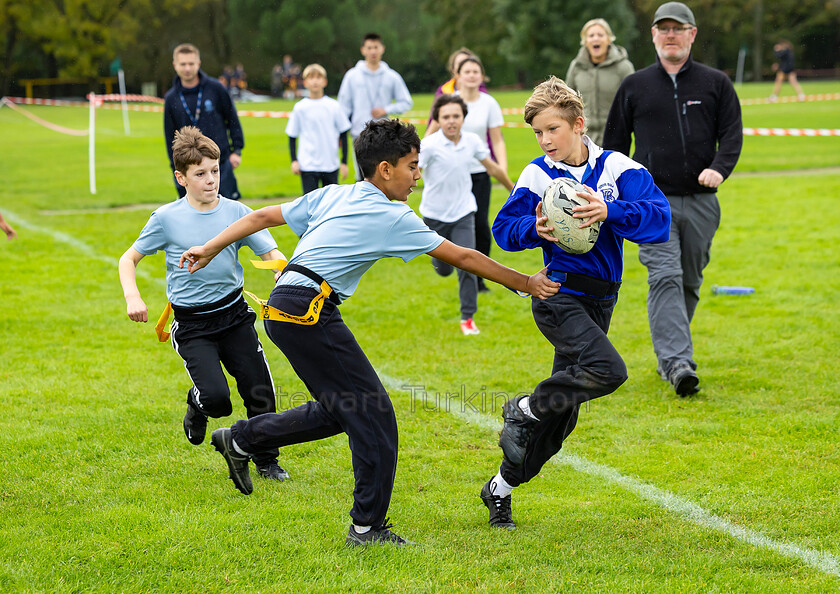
448	205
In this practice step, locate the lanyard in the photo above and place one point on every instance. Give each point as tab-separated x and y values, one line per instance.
194	120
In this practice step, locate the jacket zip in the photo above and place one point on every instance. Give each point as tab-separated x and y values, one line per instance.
679	116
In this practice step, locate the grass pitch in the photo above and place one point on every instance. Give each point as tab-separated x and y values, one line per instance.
735	489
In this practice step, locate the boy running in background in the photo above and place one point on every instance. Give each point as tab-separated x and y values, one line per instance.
622	195
213	325
344	230
321	124
448	205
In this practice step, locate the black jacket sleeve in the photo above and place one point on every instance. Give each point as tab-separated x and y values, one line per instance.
619	127
168	131
293	148
237	139
730	130
342	142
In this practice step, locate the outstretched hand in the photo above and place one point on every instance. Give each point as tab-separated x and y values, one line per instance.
198	256
540	286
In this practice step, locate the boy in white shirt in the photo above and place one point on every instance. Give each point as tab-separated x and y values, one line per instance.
321	125
448	205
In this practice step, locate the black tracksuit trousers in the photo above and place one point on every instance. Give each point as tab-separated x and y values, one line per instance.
348	398
586	366
206	341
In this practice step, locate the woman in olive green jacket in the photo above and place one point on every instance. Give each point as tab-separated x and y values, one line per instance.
596	72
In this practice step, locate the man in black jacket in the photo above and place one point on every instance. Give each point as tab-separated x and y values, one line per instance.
197	99
686	120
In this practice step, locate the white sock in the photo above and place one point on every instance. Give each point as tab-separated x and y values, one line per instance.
238	449
361	529
525	406
499	486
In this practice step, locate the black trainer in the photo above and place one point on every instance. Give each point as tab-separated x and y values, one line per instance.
501	515
684	379
516	432
273	471
195	423
375	536
237	463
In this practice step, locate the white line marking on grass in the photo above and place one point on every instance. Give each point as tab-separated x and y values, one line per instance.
817	559
76	244
824	562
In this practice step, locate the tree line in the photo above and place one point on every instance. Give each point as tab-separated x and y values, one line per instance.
520	41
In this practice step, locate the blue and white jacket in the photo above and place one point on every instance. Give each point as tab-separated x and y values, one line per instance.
636	210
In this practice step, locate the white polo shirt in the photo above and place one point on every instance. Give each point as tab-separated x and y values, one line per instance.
447	185
482	114
317	124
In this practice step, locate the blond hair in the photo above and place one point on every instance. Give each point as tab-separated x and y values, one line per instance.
555	93
593	22
186	48
314	69
190	147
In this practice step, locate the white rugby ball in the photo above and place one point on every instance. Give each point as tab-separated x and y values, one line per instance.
558	200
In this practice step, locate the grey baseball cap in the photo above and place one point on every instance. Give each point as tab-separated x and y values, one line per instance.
676	11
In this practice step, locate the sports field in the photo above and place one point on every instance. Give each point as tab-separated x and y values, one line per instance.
735	489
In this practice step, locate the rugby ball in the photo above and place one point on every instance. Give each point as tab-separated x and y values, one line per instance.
558	200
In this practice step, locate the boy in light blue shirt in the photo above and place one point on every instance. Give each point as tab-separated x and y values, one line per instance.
213	325
344	230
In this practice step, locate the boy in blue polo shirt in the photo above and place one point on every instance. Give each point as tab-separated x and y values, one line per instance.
344	230
621	194
213	325
321	125
448	205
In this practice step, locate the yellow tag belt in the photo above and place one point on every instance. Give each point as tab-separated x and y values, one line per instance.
267	312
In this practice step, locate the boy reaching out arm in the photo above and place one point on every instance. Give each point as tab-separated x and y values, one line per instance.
537	285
